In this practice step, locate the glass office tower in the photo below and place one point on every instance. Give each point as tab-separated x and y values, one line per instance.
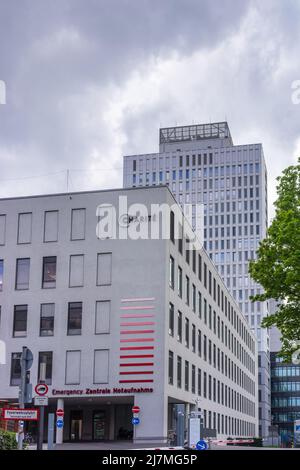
201	165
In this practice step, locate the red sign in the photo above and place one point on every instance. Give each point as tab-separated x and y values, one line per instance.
21	414
41	389
60	412
136	409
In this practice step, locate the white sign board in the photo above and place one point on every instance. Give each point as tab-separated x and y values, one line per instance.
14	413
194	431
40	401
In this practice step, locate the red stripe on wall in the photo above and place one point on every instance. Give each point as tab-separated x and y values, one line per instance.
136	348
136	364
136	381
137	356
135	315
136	340
135	332
138	323
140	372
138	307
139	299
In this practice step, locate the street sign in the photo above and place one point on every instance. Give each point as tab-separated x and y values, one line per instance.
201	445
60	412
21	413
27	357
135	421
59	423
136	409
40	401
41	389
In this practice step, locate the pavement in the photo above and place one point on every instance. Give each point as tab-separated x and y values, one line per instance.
125	445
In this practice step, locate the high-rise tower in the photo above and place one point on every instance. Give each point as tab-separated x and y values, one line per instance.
201	165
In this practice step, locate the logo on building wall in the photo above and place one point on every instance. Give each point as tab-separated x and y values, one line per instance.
153	222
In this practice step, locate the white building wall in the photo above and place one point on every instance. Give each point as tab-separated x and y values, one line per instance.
130	270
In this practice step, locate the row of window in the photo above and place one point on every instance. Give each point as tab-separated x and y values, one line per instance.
208	348
227	424
74	322
213	288
289	417
72	367
49	268
201	162
289	402
51	220
290	371
207	386
285	386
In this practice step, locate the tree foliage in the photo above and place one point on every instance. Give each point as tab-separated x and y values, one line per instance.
277	267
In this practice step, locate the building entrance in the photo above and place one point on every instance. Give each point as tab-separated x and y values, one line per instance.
76	419
99	425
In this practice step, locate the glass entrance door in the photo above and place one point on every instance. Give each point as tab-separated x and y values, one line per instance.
76	425
99	425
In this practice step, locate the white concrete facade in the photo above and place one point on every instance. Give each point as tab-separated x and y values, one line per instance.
111	326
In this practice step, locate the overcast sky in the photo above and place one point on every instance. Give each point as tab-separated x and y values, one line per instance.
88	81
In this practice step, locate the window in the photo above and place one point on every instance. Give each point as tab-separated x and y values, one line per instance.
171	319
171	368
199	382
24	228
1	274
51	226
47	320
101	361
73	366
186	376
172	227
193	338
45	357
78	224
171	272
74	318
199	343
20	321
104	269
102	322
179	372
187	290
179	326
49	272
15	371
187	251
194	298
179	280
2	228
193	379
76	271
22	273
187	332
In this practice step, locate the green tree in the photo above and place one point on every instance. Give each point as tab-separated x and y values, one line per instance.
277	267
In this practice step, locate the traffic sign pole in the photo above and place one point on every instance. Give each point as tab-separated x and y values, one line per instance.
42	409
